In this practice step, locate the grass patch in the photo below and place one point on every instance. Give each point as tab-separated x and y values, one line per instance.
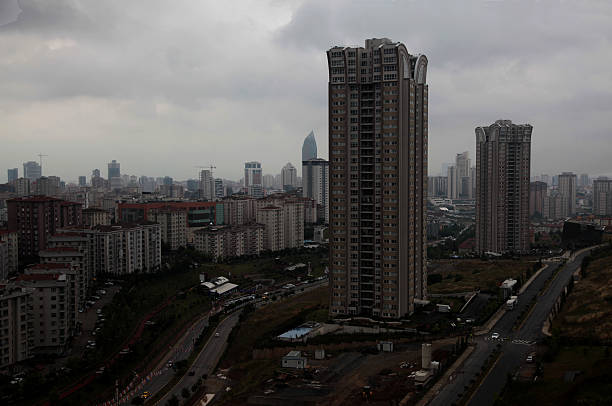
462	275
593	386
587	312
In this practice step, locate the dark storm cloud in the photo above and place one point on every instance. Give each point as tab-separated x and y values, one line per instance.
163	86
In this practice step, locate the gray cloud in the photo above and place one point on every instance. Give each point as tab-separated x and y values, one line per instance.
163	86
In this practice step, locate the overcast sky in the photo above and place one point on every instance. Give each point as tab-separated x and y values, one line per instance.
164	86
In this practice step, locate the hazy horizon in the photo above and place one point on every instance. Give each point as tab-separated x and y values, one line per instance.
163	87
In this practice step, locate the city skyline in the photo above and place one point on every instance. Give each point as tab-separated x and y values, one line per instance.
97	93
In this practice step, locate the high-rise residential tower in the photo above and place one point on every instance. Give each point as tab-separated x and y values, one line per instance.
32	170
602	196
315	183
207	184
567	190
378	179
309	149
289	177
503	157
253	179
464	183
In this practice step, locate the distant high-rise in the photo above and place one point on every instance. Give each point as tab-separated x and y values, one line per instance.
114	170
377	97
503	158
464	183
309	149
289	177
219	188
537	198
253	179
32	170
95	173
13	174
82	180
584	180
567	189
207	185
602	196
451	182
315	183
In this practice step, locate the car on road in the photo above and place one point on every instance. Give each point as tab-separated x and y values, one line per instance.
217	334
145	395
289	286
495	336
530	358
191	373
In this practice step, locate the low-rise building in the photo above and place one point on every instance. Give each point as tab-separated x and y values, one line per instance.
294	359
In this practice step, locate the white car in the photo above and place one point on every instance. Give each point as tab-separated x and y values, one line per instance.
494	336
216	334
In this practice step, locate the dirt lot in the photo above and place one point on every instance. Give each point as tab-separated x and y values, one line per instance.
462	275
588	312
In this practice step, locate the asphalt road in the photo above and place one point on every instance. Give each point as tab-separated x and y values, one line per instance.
162	374
515	345
207	359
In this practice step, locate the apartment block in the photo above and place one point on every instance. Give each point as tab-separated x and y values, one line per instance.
271	217
378	101
94	216
50	315
538	193
173	226
315	183
503	158
230	241
567	190
36	218
16	324
602	197
10	241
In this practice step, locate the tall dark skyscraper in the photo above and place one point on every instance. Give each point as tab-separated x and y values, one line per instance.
13	174
309	149
378	179
503	158
114	170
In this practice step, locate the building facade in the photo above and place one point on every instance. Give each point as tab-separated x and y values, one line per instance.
378	98
173	226
114	170
538	192
16	334
230	241
289	177
315	183
36	218
567	190
253	179
32	170
503	158
602	197
309	148
10	241
12	174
